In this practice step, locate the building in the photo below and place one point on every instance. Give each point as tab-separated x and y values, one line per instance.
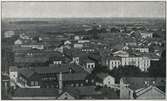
141	49
87	64
146	34
142	88
139	61
18	42
103	79
78	45
112	62
9	34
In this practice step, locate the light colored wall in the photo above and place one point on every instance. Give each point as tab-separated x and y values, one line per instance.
109	81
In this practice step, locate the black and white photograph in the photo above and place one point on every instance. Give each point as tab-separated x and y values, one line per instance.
83	50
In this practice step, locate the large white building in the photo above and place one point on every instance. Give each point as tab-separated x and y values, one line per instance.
142	62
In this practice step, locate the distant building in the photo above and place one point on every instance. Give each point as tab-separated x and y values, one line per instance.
146	34
142	88
78	45
139	61
141	49
9	34
142	62
121	53
87	64
112	62
18	42
76	38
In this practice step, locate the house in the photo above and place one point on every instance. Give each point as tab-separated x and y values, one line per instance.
87	64
13	74
9	34
67	42
142	88
146	34
141	49
21	77
103	79
76	37
18	42
78	45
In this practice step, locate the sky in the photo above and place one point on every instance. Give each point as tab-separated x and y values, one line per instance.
82	9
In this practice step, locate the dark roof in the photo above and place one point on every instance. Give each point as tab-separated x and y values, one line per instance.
26	72
35	92
139	82
74	76
77	68
32	59
102	75
82	91
13	68
52	69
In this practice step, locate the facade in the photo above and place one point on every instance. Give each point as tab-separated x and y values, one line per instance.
146	34
78	45
142	62
103	79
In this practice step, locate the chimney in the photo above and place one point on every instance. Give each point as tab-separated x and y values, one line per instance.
60	83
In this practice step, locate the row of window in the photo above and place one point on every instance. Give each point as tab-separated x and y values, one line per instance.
34	83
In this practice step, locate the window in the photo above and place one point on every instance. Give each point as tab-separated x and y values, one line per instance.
81	84
36	83
32	83
77	85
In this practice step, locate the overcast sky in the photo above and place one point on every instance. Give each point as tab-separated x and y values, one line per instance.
83	9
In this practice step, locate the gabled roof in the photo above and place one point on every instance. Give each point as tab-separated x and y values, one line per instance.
145	90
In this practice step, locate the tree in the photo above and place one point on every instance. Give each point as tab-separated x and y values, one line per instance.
125	71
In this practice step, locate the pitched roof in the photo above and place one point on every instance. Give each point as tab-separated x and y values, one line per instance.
144	90
34	92
52	69
74	76
139	82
